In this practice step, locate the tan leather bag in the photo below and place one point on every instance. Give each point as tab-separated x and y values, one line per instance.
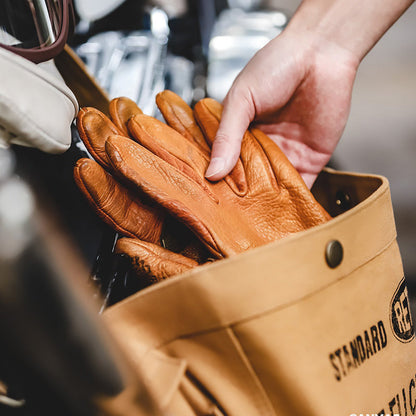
296	327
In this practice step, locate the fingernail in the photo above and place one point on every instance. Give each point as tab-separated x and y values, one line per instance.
216	166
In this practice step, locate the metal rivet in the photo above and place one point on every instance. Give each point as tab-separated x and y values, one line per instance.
334	253
343	200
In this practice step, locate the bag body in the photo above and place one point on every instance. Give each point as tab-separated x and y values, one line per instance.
316	324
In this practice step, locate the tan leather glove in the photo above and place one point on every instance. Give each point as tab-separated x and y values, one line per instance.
269	201
113	202
121	208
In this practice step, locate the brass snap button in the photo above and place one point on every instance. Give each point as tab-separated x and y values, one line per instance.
334	253
343	200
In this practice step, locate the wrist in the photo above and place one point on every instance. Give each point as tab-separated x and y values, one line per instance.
315	48
351	25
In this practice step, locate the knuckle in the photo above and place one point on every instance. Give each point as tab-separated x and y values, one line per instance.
223	139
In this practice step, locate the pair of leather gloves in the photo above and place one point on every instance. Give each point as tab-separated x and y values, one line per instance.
146	171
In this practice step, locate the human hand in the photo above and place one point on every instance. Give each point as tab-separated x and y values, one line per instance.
297	90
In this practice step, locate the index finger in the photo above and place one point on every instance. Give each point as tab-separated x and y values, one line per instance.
237	114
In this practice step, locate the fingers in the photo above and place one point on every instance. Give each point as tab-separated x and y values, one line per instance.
152	261
166	185
288	177
169	145
309	178
180	117
94	128
208	115
236	116
122	109
253	162
283	171
115	204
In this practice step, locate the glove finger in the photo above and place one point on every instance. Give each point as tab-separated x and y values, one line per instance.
284	171
288	177
94	127
153	262
264	163
122	109
208	115
180	117
115	204
170	146
168	186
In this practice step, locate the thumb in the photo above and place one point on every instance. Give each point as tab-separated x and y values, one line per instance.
237	114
